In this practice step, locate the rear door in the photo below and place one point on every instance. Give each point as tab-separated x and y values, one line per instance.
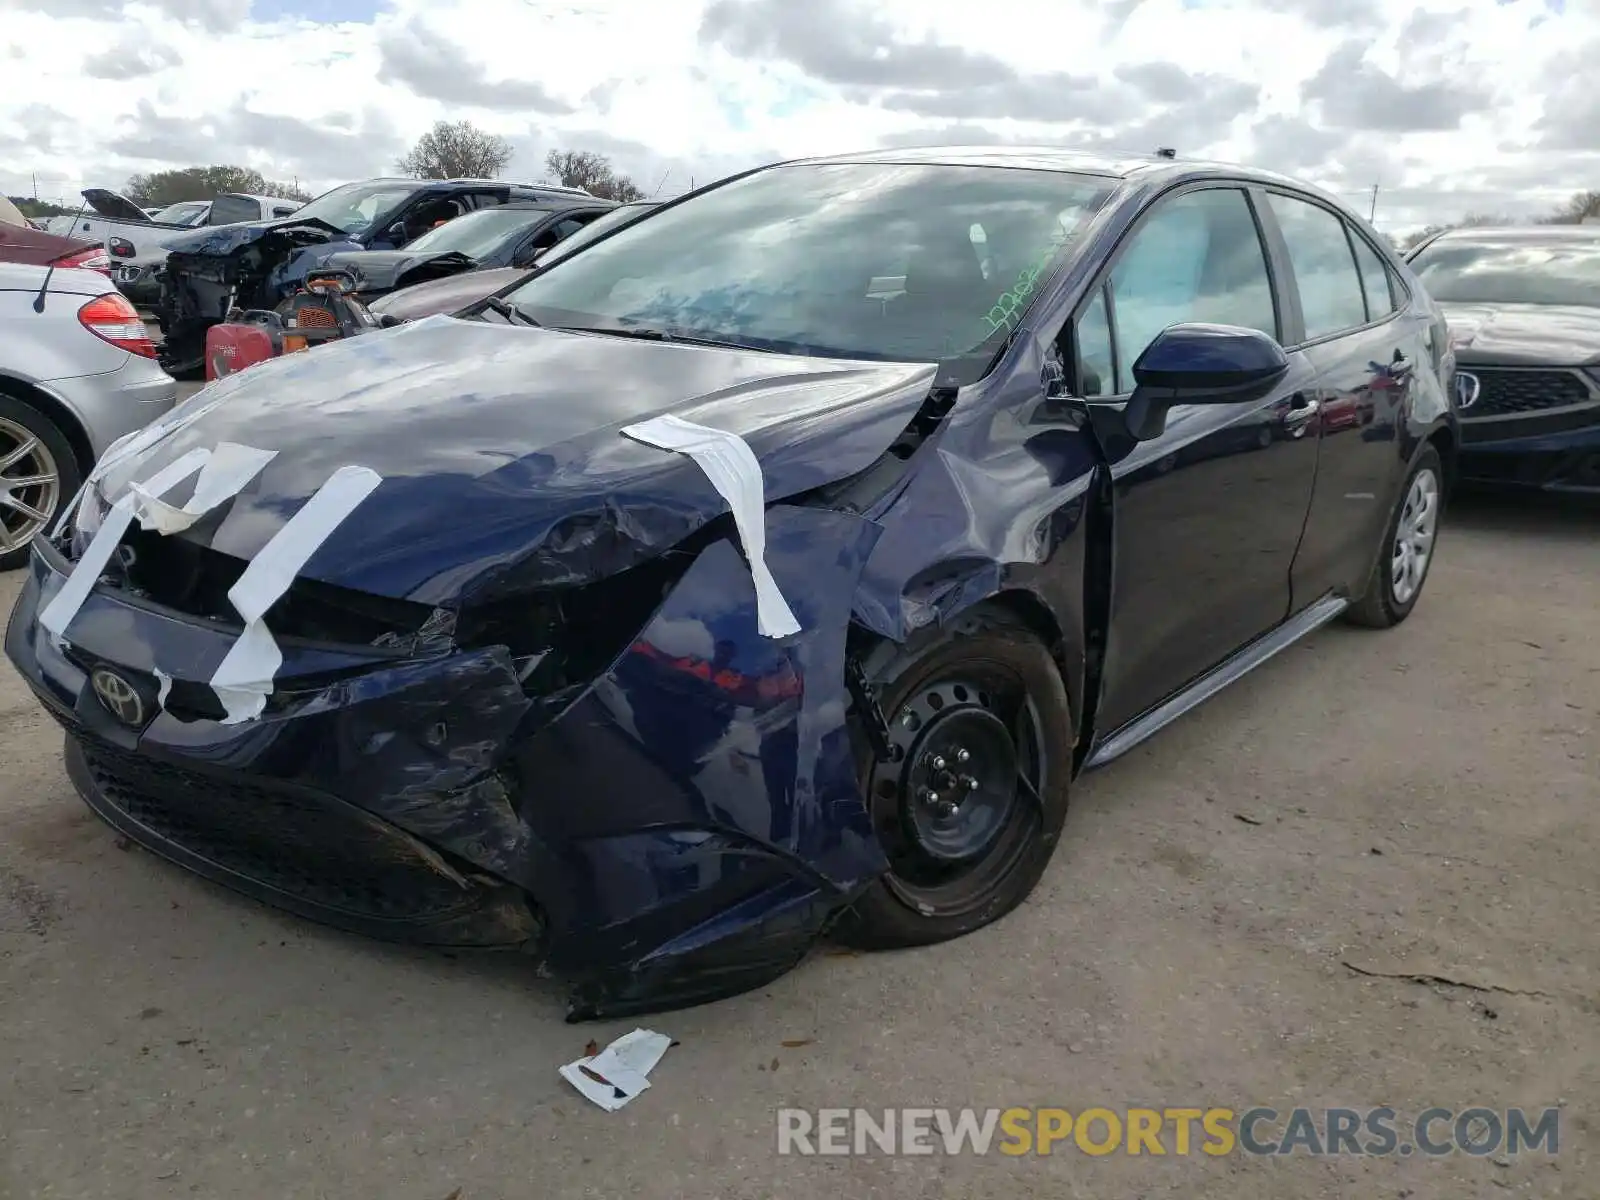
1206	516
1367	348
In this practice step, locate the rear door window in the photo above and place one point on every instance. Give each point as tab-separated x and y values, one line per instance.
1331	296
1374	279
225	210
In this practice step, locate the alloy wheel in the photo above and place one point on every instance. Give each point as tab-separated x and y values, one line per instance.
1413	536
30	485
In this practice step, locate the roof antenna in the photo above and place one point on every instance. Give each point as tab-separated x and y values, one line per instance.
38	301
1166	152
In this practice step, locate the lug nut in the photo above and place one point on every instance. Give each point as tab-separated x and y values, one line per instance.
933	799
938	762
970	783
962	755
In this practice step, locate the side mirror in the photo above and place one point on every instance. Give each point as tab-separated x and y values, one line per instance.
1200	364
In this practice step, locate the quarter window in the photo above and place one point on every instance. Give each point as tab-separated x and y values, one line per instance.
1196	258
1324	267
1096	373
1374	279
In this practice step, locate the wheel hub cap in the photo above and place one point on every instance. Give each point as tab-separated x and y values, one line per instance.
957	773
1413	538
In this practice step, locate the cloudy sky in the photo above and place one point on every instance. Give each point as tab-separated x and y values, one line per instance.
1488	106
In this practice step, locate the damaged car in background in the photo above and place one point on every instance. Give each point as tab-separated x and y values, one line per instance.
259	264
460	291
695	598
462	261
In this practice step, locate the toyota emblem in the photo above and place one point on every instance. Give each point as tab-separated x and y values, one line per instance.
121	698
1467	389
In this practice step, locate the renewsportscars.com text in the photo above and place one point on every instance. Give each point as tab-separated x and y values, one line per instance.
1260	1131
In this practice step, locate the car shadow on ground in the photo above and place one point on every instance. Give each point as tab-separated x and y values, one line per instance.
1565	518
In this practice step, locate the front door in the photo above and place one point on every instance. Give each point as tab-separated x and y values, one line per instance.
1206	516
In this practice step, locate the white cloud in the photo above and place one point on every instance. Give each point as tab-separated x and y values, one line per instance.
1447	108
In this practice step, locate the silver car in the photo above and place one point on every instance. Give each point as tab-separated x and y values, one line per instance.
77	371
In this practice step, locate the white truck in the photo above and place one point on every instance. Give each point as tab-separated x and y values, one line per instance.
136	241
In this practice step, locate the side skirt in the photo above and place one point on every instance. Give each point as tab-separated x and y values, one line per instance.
1230	670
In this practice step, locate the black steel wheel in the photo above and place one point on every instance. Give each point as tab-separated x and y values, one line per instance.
969	795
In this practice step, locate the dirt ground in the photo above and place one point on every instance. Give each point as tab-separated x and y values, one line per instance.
1230	921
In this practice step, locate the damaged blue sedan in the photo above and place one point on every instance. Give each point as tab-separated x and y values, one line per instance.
768	569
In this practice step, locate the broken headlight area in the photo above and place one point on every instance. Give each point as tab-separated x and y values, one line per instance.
192	579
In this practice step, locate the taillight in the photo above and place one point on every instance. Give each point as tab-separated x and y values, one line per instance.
112	319
120	248
92	259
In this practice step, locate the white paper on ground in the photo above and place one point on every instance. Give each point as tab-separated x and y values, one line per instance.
624	1066
224	476
243	680
734	470
64	605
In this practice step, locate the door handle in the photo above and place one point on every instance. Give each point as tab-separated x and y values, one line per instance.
1301	409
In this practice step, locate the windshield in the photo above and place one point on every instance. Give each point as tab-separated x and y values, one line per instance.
185	212
594	229
1512	270
881	261
477	233
355	205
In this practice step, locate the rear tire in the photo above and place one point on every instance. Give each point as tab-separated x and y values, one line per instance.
970	802
38	475
1408	547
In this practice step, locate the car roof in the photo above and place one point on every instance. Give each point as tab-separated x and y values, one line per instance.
465	182
1110	165
554	204
1520	233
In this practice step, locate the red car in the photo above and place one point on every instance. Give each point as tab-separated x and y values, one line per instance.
22	243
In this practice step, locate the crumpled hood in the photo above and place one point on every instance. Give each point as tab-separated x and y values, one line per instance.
1561	335
225	239
499	447
380	270
444	295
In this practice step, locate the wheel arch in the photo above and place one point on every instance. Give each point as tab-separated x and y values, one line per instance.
1014	603
58	413
1444	440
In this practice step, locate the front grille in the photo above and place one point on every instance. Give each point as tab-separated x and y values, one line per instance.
298	842
1506	392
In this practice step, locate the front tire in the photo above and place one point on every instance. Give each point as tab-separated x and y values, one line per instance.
970	799
1408	548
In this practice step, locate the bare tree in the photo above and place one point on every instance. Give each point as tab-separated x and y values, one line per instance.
593	173
1582	205
457	150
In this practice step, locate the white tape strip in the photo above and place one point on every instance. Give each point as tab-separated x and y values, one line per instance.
224	476
734	470
64	605
140	440
243	680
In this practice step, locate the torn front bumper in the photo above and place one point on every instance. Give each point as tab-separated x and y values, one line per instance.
682	828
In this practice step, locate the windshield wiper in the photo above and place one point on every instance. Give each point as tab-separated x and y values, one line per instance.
645	333
513	315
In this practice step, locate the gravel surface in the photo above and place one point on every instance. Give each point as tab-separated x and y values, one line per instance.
1363	876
